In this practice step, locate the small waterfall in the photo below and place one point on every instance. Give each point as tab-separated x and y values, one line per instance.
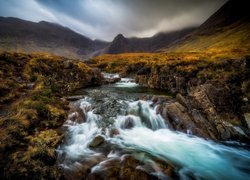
110	76
126	83
142	114
79	135
139	129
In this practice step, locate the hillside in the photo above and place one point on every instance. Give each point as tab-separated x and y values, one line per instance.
25	36
225	32
121	44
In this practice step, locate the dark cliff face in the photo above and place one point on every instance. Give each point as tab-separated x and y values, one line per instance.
26	36
120	44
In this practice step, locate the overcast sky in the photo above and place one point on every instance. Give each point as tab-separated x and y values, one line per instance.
104	19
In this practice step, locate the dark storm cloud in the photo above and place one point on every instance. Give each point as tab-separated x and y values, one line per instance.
104	19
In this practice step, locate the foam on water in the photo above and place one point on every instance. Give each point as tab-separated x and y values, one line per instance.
126	83
148	133
205	159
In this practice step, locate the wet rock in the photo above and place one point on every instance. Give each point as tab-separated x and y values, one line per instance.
77	115
247	119
108	169
224	132
130	173
97	141
180	119
128	161
74	98
129	169
113	132
128	123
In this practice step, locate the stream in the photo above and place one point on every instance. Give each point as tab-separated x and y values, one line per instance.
114	133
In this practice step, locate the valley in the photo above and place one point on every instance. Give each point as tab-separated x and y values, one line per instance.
173	105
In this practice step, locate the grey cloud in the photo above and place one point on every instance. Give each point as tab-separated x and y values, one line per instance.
103	19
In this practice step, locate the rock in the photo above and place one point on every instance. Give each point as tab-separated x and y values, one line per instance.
97	141
130	173
224	133
74	98
180	84
113	132
128	123
78	112
179	118
128	161
182	100
144	71
108	169
247	119
160	99
129	169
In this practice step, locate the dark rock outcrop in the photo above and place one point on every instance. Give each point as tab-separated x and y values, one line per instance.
211	98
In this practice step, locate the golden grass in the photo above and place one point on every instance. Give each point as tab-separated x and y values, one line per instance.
117	63
229	42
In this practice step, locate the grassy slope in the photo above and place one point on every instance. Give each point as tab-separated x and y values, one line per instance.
230	41
32	87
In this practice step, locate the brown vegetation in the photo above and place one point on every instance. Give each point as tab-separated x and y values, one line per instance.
31	96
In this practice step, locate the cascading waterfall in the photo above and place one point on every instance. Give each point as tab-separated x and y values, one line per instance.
140	113
142	129
80	134
126	82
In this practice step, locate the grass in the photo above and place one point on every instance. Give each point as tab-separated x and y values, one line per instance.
33	86
229	42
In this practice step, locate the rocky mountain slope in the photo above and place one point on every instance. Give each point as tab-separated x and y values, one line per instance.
121	44
25	36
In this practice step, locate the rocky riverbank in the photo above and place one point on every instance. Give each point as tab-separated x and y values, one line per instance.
33	109
211	96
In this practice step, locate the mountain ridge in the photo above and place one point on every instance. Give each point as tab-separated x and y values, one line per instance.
121	44
226	31
26	36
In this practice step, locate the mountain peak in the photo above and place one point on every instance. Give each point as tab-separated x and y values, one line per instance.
119	37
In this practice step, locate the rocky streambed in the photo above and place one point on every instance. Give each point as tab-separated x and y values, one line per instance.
126	131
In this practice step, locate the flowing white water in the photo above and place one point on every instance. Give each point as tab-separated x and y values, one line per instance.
80	134
203	158
142	129
109	75
126	83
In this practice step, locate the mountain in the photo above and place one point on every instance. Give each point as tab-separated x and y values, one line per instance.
120	44
226	31
25	36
